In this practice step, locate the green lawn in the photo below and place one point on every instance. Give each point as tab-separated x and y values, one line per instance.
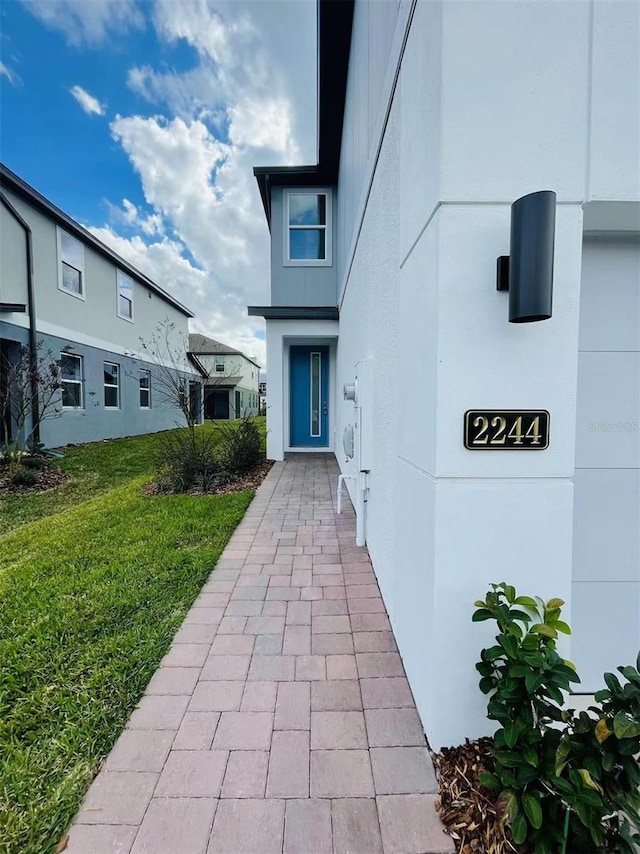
90	598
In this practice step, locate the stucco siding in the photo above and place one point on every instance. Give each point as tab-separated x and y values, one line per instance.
13	259
299	285
94	421
94	318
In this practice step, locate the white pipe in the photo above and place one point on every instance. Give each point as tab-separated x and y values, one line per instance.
360	505
341	480
360	514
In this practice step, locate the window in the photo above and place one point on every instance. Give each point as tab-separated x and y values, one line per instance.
219	364
125	296
111	385
145	389
308	229
316	381
71	381
71	267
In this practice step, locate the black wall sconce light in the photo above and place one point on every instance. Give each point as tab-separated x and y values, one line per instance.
527	273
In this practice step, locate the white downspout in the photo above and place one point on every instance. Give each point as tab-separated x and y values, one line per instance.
341	480
360	510
360	504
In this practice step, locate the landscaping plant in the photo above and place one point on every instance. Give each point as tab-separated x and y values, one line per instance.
565	782
29	393
241	445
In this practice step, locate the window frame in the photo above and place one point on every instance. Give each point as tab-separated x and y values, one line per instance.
121	273
223	362
79	382
147	389
106	385
82	295
327	261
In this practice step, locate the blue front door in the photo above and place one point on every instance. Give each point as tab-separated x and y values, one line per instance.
309	396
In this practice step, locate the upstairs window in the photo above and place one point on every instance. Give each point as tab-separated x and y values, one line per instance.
308	229
71	381
219	364
111	385
71	265
125	297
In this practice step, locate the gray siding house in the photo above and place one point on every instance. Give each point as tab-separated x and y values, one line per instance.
230	379
64	290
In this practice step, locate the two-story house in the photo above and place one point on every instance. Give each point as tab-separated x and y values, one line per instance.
389	338
63	290
230	379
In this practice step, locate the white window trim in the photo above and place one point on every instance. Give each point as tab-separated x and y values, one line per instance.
81	296
140	389
328	239
124	316
79	382
215	364
109	385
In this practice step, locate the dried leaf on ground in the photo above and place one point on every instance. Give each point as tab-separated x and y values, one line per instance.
468	810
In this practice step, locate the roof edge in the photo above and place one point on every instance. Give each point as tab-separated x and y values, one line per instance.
335	19
294	312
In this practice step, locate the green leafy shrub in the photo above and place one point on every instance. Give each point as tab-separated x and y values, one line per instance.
24	476
573	788
241	446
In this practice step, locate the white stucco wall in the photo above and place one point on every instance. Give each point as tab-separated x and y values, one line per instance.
443	522
606	560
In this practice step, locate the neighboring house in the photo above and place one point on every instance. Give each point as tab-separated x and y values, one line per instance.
262	393
385	325
61	286
230	378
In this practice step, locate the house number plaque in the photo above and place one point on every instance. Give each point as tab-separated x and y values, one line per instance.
506	429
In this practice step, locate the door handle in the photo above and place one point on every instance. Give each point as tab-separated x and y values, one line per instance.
324	408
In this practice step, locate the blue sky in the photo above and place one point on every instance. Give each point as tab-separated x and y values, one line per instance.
142	119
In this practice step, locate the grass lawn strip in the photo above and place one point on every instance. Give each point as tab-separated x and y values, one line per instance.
94	469
91	599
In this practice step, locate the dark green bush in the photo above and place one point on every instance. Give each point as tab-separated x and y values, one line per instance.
573	788
188	460
33	462
24	476
240	446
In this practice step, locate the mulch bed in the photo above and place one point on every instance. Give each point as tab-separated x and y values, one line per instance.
468	811
49	477
250	480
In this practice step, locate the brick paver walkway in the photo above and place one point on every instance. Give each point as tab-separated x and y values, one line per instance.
281	718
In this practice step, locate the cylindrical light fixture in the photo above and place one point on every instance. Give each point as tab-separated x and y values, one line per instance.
533	222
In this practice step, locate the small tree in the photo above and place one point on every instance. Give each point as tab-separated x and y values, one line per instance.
167	352
28	395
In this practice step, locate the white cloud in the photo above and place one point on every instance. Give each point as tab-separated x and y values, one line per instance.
195	160
89	104
87	22
11	76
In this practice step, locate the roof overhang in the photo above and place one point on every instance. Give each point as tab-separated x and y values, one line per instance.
335	18
16	185
294	312
197	364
